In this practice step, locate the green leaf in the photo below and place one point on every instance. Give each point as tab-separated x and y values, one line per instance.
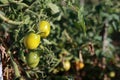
114	26
4	1
2	13
27	19
22	57
48	42
81	21
54	8
116	17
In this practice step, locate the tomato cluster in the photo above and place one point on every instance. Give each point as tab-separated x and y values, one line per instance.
78	65
32	41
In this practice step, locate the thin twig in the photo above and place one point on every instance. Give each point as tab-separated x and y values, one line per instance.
10	21
80	56
68	36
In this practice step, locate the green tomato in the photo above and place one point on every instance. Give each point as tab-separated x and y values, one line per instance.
32	59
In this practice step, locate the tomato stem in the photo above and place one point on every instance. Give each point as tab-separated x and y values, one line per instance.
9	21
17	72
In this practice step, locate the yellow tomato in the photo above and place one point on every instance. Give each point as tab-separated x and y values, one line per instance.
66	65
55	71
32	59
32	40
44	28
112	74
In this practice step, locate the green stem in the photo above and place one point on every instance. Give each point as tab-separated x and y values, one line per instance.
10	21
55	65
17	72
19	3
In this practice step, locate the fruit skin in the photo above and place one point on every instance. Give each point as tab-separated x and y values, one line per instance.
112	74
79	65
66	65
44	28
32	40
55	71
32	59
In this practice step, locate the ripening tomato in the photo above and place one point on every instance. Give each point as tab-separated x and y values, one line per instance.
66	65
79	65
32	40
44	28
32	59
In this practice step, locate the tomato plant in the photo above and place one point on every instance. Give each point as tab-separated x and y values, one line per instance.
76	39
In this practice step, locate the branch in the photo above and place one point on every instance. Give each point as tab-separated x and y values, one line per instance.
10	21
1	76
104	37
82	2
80	56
